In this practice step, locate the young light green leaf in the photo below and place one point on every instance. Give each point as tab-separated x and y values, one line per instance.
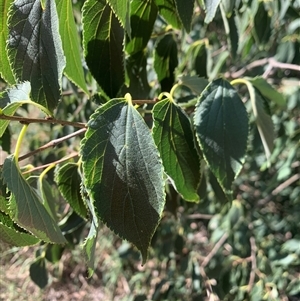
35	49
167	9
165	58
12	236
143	16
11	100
123	172
103	39
267	90
121	9
185	9
68	180
174	139
221	123
26	207
71	46
211	8
5	69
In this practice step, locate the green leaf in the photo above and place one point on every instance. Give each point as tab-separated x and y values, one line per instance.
228	6
267	90
174	139
185	9
221	123
26	207
5	69
35	49
71	45
103	45
143	16
165	58
195	83
38	272
136	72
11	100
121	9
68	180
262	25
167	9
13	237
123	173
263	121
211	8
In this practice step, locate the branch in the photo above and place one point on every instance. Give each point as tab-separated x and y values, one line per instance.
214	250
41	120
254	264
73	155
52	143
272	63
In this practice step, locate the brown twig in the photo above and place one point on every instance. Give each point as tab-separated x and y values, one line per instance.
41	120
254	264
214	250
272	64
73	155
199	216
52	143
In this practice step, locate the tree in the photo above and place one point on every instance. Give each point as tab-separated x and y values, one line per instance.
162	108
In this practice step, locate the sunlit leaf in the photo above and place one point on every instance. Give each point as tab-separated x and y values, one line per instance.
11	100
5	69
123	173
121	9
70	42
167	9
35	49
143	16
103	38
222	128
211	8
174	138
26	207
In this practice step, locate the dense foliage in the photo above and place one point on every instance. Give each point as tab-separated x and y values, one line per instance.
163	120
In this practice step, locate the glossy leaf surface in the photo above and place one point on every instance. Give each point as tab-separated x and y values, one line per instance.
124	174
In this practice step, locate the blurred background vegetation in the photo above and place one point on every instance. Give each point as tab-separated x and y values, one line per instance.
248	250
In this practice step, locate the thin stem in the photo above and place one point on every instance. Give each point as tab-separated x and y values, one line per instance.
52	144
73	155
214	250
19	141
41	120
